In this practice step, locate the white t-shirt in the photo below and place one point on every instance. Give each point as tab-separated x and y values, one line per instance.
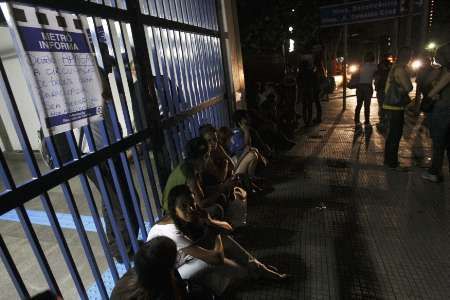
171	231
366	72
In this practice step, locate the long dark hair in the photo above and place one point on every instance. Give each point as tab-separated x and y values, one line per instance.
178	195
152	274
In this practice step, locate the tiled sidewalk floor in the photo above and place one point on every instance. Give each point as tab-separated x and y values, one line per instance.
382	235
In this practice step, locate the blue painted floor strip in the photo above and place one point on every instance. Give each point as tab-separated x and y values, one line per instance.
39	217
93	292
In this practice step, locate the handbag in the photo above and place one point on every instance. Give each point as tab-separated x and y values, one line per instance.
395	96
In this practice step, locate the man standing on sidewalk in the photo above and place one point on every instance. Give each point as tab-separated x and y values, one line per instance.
397	88
380	84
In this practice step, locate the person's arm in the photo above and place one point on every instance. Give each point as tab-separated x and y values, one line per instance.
247	138
215	256
227	157
196	189
217	168
402	78
217	223
443	81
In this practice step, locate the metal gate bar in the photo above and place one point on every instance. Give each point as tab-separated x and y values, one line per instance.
32	165
181	40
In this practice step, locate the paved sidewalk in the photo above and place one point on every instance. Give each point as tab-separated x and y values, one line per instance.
346	227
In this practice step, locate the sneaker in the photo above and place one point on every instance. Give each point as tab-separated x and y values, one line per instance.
430	177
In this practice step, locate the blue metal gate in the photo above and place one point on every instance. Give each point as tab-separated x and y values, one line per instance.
168	78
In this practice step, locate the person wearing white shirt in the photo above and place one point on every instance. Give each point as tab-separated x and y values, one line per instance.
364	89
206	254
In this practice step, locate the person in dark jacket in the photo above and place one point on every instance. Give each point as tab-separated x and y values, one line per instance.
440	116
381	75
399	79
308	83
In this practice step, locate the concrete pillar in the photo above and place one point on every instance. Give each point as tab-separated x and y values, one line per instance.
234	51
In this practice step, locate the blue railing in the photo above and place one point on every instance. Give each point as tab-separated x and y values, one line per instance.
168	79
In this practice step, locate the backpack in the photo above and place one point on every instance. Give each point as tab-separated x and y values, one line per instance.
237	143
395	96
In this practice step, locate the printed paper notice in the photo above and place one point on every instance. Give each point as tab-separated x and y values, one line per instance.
67	83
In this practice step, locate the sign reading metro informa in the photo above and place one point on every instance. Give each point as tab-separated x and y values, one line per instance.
61	69
367	11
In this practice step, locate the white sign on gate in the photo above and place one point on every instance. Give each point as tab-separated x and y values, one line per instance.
57	59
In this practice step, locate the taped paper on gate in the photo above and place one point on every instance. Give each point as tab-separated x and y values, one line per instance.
60	65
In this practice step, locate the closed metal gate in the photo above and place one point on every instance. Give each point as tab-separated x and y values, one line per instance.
167	78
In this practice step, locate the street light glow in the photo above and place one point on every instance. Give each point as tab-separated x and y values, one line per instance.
291	28
431	46
291	45
353	69
416	64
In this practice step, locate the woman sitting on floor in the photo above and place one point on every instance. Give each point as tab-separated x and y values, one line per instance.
245	161
220	167
238	145
189	172
206	254
154	276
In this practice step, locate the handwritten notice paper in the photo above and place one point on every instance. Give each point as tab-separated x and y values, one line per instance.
66	81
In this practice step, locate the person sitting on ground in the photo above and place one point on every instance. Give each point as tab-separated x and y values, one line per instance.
220	166
154	276
206	254
189	172
245	155
266	135
244	168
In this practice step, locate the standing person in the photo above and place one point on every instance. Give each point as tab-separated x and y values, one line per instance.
288	115
398	85
381	76
309	92
426	74
364	90
110	184
440	116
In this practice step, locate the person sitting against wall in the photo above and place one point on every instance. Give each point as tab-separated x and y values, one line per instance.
220	166
206	254
155	277
265	133
245	165
189	172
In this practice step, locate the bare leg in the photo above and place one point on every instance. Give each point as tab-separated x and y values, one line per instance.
247	163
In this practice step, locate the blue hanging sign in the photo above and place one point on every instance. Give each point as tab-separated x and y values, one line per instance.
58	61
366	11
